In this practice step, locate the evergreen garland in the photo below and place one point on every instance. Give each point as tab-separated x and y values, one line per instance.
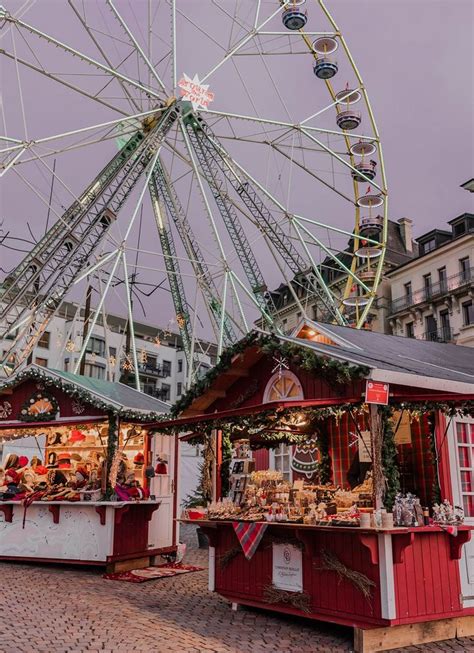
389	458
226	461
334	371
81	395
325	462
435	489
112	441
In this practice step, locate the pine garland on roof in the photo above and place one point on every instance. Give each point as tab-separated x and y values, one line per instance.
334	371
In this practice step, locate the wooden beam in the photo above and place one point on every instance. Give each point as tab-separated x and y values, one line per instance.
236	371
215	394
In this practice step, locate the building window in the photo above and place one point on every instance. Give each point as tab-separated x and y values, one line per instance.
151	361
427	285
445	326
166	368
429	246
408	290
41	361
94	371
44	340
443	282
465	268
298	315
179	388
410	330
180	366
165	391
431	328
468	313
96	346
113	352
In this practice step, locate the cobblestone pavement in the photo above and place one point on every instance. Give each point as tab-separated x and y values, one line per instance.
52	609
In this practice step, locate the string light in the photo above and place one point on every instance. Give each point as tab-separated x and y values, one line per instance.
127	363
157	341
180	320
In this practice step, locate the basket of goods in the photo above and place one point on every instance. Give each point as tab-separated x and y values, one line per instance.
196	513
347	518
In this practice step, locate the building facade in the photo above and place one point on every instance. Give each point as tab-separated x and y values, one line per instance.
432	296
401	248
162	364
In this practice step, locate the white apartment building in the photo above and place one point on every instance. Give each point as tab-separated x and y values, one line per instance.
432	296
161	360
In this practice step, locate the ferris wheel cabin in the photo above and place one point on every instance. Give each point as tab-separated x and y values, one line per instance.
294	18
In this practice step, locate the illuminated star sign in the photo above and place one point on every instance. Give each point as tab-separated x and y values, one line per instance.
193	91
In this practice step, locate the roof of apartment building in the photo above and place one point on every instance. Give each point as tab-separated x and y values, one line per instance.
461	226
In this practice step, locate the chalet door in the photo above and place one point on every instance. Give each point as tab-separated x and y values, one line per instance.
162	486
461	454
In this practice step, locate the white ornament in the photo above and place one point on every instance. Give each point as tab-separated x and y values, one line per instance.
5	410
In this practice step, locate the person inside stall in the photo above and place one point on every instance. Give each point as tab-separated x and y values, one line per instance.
357	471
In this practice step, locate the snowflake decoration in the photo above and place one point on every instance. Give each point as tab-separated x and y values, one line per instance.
77	408
281	364
157	341
70	346
180	320
5	410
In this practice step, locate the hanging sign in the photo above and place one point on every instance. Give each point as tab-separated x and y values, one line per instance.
401	420
365	447
287	571
193	91
376	392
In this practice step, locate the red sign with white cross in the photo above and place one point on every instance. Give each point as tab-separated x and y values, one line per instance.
376	392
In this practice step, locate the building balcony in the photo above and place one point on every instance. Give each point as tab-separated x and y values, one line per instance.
147	369
444	334
433	292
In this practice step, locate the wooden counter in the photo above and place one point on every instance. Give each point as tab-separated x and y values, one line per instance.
414	571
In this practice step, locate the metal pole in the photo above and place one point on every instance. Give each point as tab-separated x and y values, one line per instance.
221	327
130	322
96	315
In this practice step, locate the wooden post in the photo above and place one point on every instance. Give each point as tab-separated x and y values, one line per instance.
376	429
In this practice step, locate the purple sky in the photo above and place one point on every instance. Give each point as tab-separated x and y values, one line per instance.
416	59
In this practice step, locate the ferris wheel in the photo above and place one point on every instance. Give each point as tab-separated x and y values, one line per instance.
224	146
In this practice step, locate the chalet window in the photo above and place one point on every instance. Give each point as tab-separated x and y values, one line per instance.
41	361
465	447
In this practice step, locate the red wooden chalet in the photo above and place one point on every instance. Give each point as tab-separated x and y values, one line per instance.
66	422
416	574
